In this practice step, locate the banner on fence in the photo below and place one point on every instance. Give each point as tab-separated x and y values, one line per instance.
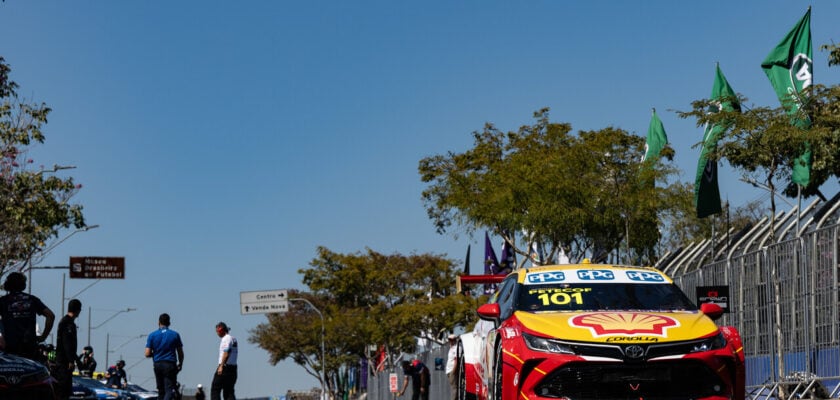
714	294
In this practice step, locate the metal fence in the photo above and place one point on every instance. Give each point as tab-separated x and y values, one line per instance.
379	383
784	301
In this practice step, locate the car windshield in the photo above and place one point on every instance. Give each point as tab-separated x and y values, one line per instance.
603	296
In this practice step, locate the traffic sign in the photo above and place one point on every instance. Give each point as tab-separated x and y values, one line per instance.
97	267
262	302
393	383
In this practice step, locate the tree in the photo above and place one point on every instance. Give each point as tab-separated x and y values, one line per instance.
762	143
586	192
833	53
366	299
34	203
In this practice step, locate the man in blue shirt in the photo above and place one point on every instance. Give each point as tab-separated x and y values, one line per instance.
167	352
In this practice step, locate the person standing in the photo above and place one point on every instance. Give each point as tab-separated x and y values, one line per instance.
117	378
420	379
167	351
199	392
452	366
87	364
18	310
225	377
65	350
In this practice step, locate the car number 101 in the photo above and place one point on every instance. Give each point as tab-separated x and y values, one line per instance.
560	298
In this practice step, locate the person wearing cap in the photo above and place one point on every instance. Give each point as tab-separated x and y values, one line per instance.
117	378
225	377
452	366
199	392
165	348
87	364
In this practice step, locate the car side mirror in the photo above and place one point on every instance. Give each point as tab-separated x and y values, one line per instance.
489	312
711	310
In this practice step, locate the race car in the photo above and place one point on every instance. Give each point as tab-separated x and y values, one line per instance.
587	331
24	379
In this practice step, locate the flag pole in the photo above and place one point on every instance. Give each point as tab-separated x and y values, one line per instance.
798	209
712	251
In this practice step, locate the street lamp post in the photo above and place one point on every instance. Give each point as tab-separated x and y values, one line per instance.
323	354
49	249
103	323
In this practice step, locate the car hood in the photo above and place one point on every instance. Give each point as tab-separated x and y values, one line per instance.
619	326
16	370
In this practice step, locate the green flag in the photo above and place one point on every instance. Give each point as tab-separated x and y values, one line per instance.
706	191
656	139
790	69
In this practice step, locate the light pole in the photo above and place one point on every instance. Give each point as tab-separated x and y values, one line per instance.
49	249
323	354
103	323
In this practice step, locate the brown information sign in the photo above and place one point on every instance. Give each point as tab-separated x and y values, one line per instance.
97	267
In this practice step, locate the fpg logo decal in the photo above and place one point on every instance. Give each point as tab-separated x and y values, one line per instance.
630	324
595	275
545	277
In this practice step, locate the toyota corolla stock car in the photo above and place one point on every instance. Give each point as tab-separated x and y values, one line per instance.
587	331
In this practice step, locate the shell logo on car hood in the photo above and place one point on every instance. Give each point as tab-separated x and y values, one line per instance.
619	326
614	323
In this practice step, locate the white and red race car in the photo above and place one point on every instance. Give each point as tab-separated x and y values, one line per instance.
586	331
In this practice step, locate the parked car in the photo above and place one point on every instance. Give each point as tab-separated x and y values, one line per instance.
141	393
588	331
24	379
81	392
103	392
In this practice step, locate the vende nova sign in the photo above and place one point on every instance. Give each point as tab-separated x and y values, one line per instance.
97	267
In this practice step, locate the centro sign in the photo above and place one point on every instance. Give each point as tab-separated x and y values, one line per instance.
262	302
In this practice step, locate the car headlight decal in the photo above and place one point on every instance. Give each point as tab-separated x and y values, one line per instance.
546	345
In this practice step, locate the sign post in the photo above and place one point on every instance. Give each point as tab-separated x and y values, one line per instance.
265	301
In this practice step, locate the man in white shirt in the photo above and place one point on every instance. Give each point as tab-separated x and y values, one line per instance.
225	377
452	366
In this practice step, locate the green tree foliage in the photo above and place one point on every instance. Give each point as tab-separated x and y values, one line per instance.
762	143
367	299
34	203
833	53
584	192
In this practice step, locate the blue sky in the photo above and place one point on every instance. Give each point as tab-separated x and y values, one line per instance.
219	143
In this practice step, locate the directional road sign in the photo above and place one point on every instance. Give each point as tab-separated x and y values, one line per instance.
97	267
262	302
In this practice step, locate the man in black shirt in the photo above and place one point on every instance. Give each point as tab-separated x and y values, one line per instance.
117	378
420	381
65	350
18	310
87	364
